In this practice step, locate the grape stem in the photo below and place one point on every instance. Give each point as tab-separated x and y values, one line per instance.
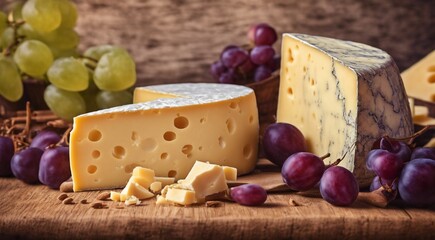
17	38
325	156
336	162
411	138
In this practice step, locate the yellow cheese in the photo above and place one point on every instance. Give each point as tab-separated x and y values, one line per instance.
178	124
142	172
165	180
419	79
132	200
115	196
134	189
156	187
342	96
180	196
230	173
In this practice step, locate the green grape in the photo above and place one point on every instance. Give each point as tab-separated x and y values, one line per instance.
17	7
33	57
63	103
62	38
43	15
68	10
69	74
11	86
3	22
28	32
96	52
106	99
115	71
7	38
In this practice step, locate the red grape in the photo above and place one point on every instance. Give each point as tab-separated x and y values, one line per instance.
376	183
423	152
234	57
264	35
25	165
417	182
281	140
399	148
249	194
262	54
247	68
338	186
6	153
302	171
216	69
228	77
44	139
261	73
385	164
54	168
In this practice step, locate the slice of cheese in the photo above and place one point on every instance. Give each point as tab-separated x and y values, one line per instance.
180	196
115	196
342	95
419	79
135	189
178	124
156	187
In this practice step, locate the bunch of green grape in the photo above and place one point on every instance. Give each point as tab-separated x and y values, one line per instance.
38	40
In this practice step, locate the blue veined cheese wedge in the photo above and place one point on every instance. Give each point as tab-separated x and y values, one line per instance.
167	130
343	96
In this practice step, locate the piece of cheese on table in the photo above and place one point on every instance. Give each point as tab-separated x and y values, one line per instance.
419	79
343	96
177	124
203	180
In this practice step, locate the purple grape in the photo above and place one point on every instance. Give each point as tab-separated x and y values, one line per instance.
234	57
385	164
227	48
44	139
54	168
264	35
417	182
399	148
281	140
228	77
249	194
247	68
338	186
261	73
262	54
302	171
423	152
6	152
275	63
25	165
390	193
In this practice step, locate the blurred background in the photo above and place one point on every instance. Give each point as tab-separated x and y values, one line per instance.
177	40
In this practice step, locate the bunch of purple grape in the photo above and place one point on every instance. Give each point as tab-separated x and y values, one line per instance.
42	162
243	65
285	146
401	171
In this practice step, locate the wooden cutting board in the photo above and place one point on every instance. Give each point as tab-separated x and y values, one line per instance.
28	211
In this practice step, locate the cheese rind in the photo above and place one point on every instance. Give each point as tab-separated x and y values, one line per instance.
217	123
342	95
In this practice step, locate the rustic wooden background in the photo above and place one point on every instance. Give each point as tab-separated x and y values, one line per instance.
176	40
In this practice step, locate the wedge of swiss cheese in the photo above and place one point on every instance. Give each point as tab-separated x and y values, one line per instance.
342	95
167	129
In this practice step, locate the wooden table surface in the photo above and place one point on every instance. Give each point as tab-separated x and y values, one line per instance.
34	212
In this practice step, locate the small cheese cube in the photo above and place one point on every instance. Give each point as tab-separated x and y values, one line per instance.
115	196
144	173
132	200
156	187
181	196
230	173
134	189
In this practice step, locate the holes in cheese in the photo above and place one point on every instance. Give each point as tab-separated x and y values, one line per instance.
247	151
92	169
129	167
431	68
172	173
96	154
290	55
164	156
231	125
166	133
181	122
431	78
94	135
169	136
419	79
118	152
187	149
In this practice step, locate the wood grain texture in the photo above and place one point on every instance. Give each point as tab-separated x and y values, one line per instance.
28	212
176	40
